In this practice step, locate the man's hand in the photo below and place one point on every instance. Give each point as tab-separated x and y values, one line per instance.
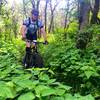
23	38
46	42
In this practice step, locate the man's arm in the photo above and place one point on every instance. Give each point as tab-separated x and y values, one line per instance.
23	31
44	34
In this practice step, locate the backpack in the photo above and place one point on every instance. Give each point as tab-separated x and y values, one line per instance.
35	27
29	20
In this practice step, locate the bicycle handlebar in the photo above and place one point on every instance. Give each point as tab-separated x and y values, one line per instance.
34	41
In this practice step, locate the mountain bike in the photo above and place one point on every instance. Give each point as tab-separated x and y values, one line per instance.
33	58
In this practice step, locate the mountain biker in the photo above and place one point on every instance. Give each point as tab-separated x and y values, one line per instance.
30	27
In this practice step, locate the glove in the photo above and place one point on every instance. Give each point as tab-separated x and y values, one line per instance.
46	42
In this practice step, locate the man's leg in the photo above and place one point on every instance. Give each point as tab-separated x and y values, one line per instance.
28	49
27	55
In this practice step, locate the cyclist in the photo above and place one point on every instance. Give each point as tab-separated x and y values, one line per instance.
30	27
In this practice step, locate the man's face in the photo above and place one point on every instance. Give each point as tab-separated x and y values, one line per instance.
34	17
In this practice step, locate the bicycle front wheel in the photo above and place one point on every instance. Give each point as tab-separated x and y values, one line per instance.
38	60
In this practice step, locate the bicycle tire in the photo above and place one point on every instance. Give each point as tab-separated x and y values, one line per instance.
27	61
38	60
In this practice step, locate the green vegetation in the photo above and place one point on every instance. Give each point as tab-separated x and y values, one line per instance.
69	74
72	57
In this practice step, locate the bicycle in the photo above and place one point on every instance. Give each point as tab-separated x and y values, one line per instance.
33	59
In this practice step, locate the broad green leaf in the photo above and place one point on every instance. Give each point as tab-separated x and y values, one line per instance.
39	89
16	71
87	97
26	84
85	68
10	84
77	95
69	97
27	96
2	98
50	81
61	86
56	83
89	73
6	91
18	88
22	77
60	92
44	77
47	92
40	69
58	98
50	71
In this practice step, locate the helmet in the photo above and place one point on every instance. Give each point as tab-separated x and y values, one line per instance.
35	12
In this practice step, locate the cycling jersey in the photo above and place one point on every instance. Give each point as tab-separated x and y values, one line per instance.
32	28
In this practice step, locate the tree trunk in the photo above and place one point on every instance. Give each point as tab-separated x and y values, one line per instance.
95	19
24	8
38	3
37	7
51	22
84	11
46	15
66	17
83	37
51	27
33	3
0	5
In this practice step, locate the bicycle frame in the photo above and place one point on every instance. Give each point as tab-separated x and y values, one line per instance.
34	58
33	43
